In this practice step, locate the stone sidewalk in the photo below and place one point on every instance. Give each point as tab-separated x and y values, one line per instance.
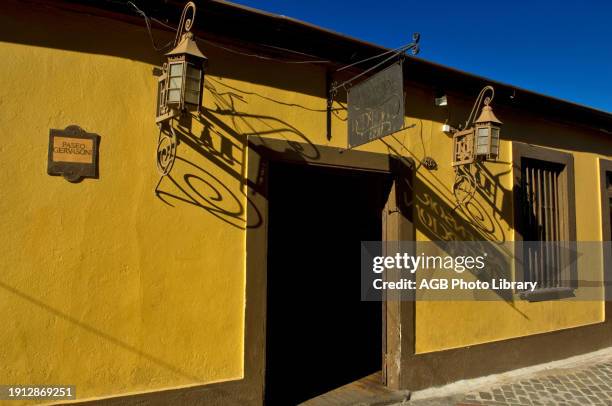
582	380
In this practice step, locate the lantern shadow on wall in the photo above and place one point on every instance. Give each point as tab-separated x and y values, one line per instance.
194	180
180	88
209	172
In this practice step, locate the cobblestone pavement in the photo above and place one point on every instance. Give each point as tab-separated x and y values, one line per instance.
583	382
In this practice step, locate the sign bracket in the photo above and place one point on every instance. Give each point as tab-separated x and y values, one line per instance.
376	104
401	52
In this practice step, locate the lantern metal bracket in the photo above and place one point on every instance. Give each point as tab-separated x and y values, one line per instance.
185	23
479	100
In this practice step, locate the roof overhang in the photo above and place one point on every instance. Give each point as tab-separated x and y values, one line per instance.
280	35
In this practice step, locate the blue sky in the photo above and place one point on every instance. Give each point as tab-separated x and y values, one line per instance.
561	48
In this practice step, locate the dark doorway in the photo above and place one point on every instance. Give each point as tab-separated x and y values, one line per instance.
320	335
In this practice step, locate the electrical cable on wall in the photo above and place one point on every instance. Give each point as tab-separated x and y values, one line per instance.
215	44
149	30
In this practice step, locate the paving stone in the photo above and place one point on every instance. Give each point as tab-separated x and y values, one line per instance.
587	384
566	396
485	395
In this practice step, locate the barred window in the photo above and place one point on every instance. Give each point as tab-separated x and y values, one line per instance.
544	220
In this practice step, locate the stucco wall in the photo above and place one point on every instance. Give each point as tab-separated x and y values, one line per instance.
103	285
444	325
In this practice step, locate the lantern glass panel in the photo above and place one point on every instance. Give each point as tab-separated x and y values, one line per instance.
174	96
193	72
482	141
175	82
176	69
192	97
192	84
495	141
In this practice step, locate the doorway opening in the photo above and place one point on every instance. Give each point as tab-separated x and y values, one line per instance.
320	335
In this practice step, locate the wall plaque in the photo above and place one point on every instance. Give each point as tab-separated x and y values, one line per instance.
73	153
376	106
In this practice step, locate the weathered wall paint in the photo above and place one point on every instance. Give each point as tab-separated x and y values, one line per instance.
117	288
445	325
103	285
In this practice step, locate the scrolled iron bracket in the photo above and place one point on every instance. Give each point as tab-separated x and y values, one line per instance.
416	37
487	100
186	23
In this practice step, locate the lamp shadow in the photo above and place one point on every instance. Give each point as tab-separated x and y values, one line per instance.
479	221
220	145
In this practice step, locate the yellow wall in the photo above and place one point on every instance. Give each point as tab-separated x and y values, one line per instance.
115	289
444	325
103	285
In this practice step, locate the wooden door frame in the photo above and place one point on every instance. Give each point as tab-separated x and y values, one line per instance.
605	167
398	321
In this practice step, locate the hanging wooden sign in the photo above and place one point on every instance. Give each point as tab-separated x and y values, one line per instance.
376	106
73	153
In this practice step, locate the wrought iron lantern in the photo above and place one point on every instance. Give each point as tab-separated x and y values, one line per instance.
185	73
180	86
487	128
480	138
